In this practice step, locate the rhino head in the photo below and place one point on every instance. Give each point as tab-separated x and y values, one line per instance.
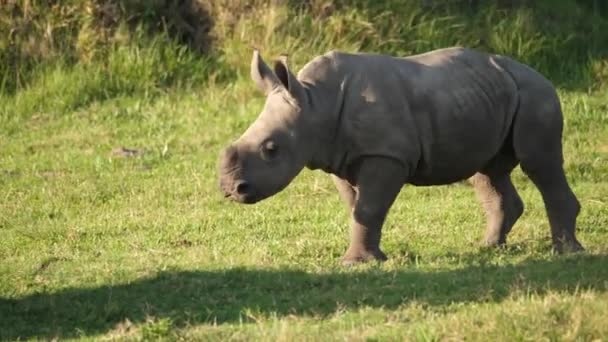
277	146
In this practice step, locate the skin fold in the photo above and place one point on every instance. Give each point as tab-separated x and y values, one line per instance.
376	123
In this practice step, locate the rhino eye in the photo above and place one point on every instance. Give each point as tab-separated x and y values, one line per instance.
269	150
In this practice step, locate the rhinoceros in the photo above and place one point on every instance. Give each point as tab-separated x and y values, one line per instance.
377	122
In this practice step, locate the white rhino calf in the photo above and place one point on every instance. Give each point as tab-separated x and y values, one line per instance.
377	122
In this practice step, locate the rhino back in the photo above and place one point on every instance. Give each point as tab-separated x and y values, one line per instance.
444	114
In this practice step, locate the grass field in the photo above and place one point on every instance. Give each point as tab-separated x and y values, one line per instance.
99	245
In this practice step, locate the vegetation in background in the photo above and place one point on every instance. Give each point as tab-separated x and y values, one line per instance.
99	244
562	38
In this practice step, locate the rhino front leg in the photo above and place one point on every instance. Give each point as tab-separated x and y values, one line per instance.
378	182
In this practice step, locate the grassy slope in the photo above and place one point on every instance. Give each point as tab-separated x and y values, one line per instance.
96	245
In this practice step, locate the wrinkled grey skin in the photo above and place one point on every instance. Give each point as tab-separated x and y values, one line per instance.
376	123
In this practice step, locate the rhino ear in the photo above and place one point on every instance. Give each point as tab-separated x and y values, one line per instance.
261	74
289	80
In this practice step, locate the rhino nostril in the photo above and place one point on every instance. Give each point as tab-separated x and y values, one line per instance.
243	188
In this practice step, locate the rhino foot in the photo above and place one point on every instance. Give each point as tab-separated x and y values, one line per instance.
567	246
360	255
496	242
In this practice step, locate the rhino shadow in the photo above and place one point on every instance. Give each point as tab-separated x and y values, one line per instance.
226	296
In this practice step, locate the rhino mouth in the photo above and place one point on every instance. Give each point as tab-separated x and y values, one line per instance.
246	199
243	199
240	191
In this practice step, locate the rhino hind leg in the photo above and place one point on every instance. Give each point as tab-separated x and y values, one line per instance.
501	203
347	192
497	195
537	134
561	204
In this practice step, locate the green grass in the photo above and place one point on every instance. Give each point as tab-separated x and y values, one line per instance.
97	246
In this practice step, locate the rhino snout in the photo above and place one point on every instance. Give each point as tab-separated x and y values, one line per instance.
240	191
242	188
231	182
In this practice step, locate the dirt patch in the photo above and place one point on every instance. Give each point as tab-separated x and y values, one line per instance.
126	152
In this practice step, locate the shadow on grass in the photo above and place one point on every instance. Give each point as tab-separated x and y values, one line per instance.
223	296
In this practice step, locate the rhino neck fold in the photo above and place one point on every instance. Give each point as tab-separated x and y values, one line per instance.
330	154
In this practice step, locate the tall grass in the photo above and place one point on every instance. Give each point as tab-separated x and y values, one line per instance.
93	50
144	71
